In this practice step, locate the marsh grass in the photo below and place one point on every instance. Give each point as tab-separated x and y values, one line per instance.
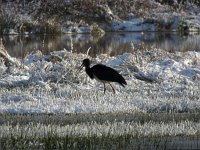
100	131
100	118
109	142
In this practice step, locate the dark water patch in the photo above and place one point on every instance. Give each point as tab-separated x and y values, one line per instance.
111	43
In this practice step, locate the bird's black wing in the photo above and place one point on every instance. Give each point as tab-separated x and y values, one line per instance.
105	73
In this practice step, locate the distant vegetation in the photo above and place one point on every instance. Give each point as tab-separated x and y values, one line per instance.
43	16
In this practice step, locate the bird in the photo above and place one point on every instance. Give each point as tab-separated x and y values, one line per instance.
103	73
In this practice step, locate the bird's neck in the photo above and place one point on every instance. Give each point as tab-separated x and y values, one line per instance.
87	67
88	70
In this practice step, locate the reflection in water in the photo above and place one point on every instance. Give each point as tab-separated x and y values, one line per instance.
111	43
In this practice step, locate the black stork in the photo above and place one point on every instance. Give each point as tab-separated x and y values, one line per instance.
103	74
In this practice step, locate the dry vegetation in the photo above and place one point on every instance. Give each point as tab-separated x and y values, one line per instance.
41	16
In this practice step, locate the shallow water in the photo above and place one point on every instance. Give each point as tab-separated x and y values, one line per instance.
111	43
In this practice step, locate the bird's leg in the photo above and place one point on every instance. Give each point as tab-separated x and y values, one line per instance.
112	88
104	87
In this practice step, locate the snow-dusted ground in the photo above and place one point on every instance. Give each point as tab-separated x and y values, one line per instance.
50	84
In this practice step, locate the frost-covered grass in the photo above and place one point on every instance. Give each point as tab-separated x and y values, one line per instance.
92	134
100	131
49	84
156	112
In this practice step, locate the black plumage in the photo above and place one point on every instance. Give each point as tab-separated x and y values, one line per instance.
103	74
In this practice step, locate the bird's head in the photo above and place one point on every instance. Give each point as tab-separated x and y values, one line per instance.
85	63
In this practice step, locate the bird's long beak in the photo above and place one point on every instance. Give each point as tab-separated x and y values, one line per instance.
80	68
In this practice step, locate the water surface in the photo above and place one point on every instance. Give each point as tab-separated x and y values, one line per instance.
110	44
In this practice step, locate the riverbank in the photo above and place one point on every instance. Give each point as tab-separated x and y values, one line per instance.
97	17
